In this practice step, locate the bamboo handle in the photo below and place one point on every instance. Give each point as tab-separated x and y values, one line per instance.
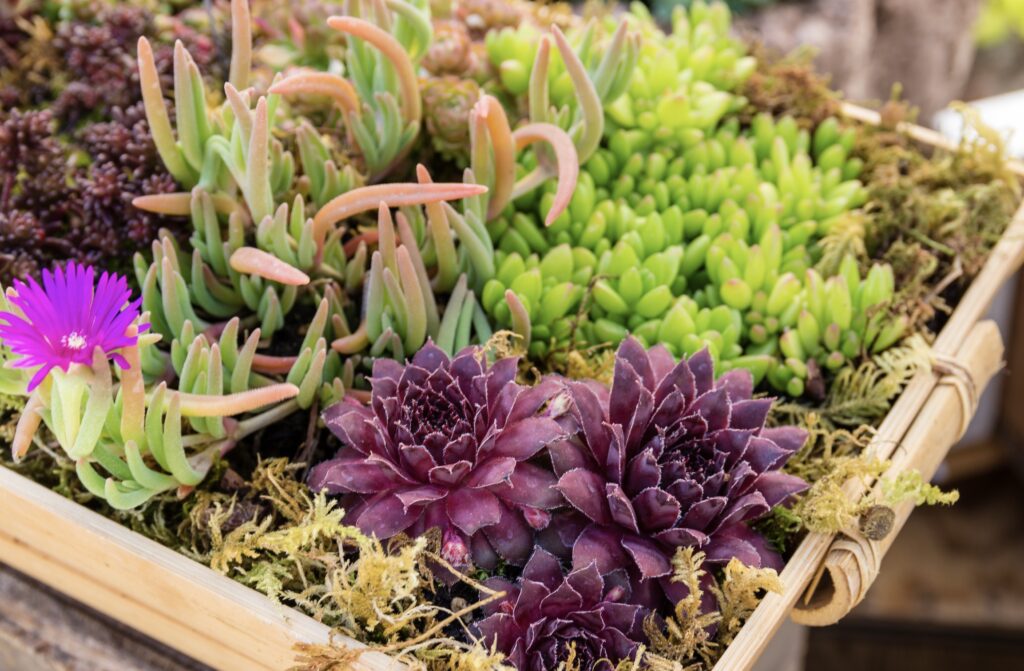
853	560
914	132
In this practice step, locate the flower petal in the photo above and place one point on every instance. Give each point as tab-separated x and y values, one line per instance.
648	557
703	368
530	400
385	515
680	379
714	408
738	382
765	455
483	554
531	485
499	631
687	492
524	439
584	490
424	494
386	369
745	508
492	471
631	351
600	546
511	537
543	567
624	617
662	362
361	476
431	357
527	608
469	375
681	537
750	414
564	600
590	417
473	509
656	509
450	475
721	549
567	455
501	374
777	487
620	507
625	394
701	514
788	438
418	461
642	472
639	423
588	583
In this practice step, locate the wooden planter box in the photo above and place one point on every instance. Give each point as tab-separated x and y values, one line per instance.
220	622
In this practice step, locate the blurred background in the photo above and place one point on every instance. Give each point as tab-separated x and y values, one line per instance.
951	591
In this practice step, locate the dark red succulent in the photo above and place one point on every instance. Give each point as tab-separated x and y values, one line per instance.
99	58
667	458
447	443
546	612
53	208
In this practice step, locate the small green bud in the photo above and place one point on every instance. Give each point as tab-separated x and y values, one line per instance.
783	293
654	302
609	299
558	264
608	331
736	293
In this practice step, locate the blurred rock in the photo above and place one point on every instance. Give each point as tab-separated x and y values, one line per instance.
868	45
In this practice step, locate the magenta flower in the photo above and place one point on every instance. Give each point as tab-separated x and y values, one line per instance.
67	318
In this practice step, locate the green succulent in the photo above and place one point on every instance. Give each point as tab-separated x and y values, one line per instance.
686	227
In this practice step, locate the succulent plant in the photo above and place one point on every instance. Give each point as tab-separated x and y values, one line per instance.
67	331
58	208
683	226
448	443
670	457
447	102
98	57
451	51
547	617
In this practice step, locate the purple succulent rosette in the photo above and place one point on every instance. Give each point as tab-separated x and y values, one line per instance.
546	611
668	458
65	319
447	443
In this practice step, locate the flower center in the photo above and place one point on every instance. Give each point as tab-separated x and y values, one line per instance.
73	340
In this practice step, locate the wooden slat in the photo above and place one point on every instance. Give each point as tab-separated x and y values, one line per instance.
150	587
849	566
122	607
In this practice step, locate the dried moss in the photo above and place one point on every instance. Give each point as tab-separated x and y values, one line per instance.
10	410
789	85
686	637
740	590
911	486
934	218
693	638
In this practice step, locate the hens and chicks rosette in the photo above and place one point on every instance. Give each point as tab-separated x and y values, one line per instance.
593	488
